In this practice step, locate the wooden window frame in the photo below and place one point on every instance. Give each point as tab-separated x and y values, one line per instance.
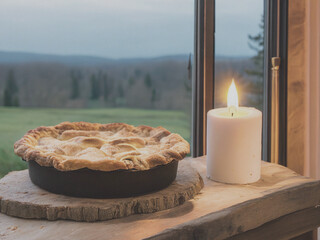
275	45
276	18
203	75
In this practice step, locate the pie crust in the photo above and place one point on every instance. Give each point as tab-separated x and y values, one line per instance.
105	147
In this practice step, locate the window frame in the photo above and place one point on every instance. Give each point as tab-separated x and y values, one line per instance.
275	45
276	18
203	74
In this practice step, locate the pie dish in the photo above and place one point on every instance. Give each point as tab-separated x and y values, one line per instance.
104	147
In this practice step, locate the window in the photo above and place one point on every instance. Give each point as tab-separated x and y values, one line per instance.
133	61
221	29
239	46
97	61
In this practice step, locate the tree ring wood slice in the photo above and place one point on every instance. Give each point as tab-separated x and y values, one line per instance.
19	197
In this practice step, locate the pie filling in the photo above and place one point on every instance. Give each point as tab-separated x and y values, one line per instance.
105	147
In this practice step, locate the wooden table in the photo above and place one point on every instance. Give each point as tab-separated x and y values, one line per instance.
281	205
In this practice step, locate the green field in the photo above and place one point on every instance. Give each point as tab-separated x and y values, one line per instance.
14	122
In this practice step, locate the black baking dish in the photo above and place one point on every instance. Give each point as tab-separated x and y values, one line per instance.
100	184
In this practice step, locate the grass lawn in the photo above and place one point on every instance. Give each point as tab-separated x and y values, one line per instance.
15	122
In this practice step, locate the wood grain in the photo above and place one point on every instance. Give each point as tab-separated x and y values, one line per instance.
218	212
295	225
19	197
296	104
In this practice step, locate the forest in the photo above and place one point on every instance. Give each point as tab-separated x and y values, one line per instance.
50	81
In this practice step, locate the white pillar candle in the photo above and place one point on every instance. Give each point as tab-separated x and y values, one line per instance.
234	144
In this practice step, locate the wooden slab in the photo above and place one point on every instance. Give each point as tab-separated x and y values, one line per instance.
218	212
19	197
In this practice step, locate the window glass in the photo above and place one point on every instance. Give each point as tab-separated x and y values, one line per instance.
97	61
239	51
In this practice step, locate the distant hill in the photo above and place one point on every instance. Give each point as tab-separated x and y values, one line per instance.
24	57
8	57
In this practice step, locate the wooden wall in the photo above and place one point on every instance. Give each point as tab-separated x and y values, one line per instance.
296	111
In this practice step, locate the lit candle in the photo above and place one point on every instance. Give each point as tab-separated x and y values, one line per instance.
234	142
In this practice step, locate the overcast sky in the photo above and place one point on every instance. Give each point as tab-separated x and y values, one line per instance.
122	28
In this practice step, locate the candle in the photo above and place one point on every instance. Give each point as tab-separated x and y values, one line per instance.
234	142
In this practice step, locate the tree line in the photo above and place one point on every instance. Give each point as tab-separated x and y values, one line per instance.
138	85
156	85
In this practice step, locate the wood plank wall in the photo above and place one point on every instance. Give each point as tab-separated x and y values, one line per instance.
296	108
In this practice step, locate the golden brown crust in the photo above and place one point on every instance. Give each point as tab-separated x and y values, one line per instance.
105	147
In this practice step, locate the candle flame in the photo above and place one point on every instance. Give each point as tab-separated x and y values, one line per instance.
232	98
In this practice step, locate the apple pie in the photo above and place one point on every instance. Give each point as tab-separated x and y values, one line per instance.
105	147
